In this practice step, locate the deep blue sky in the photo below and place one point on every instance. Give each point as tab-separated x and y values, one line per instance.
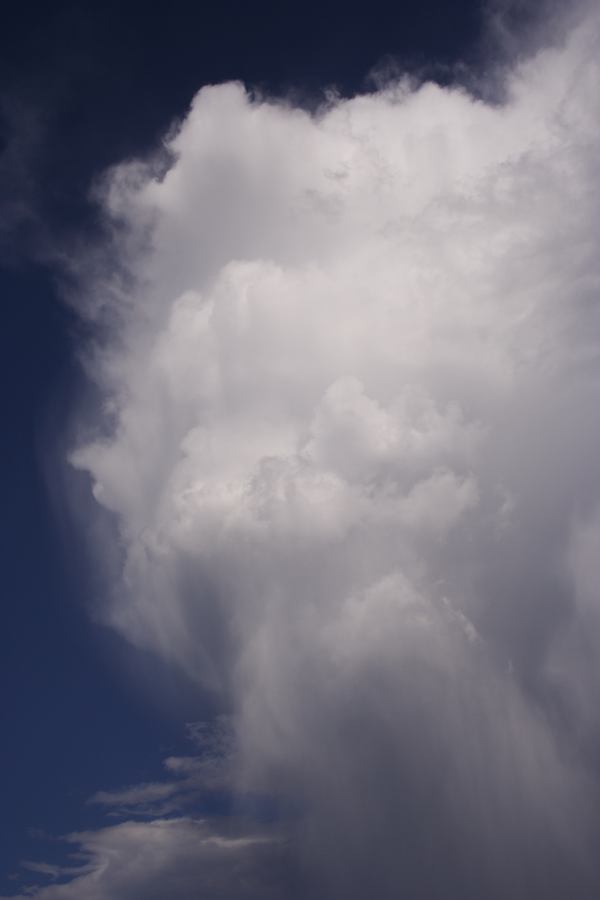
83	85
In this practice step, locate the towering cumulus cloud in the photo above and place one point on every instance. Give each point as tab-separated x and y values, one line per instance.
349	444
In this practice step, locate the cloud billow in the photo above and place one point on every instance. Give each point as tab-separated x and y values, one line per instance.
349	446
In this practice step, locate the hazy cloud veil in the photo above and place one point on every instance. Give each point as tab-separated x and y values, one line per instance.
350	445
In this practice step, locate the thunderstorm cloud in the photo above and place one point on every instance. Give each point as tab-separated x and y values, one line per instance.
347	450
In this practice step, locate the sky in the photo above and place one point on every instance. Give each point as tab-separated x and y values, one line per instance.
300	387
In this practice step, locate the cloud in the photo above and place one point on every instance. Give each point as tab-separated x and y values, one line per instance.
349	441
177	858
191	778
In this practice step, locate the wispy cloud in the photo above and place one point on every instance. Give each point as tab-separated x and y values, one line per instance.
176	858
190	778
